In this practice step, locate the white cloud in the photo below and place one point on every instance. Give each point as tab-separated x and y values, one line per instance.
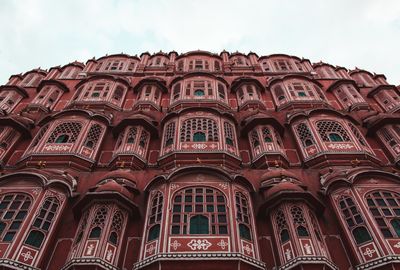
349	33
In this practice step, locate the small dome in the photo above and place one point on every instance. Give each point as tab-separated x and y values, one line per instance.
283	186
112	186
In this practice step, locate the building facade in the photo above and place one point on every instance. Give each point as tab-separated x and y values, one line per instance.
200	161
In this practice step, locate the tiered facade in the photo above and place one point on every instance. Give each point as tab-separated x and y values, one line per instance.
200	161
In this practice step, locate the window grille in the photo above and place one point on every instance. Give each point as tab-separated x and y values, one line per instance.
331	131
98	222
169	134
299	221
199	210
42	222
191	126
116	227
14	208
71	129
305	135
229	134
354	221
254	139
155	216
358	135
243	215
384	206
93	136
281	223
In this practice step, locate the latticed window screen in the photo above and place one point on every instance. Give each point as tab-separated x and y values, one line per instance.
358	135
169	134
155	216
281	224
14	208
98	222
144	137
243	215
199	210
199	125
331	131
385	208
81	228
299	221
305	135
116	227
70	129
7	138
131	136
229	134
355	223
93	136
254	139
42	222
267	135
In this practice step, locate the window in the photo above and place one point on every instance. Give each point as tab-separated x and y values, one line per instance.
354	221
229	134
199	137
243	216
98	222
93	136
194	126
82	228
282	65
305	135
155	215
299	221
282	226
199	210
332	131
169	134
176	92
14	208
70	72
65	133
43	222
384	206
8	100
116	227
255	141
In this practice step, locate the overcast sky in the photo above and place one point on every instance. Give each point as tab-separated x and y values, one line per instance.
362	33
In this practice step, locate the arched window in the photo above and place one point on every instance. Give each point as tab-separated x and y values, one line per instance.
194	126
229	134
299	221
43	222
267	135
155	216
282	226
65	133
255	141
131	135
14	208
93	136
354	221
384	206
116	227
332	131
243	216
98	223
169	134
199	210
304	134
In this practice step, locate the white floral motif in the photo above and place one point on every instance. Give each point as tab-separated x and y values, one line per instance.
248	249
109	255
307	248
175	245
57	147
199	244
223	185
223	244
90	249
340	146
174	186
27	256
369	252
288	254
199	146
397	245
150	249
